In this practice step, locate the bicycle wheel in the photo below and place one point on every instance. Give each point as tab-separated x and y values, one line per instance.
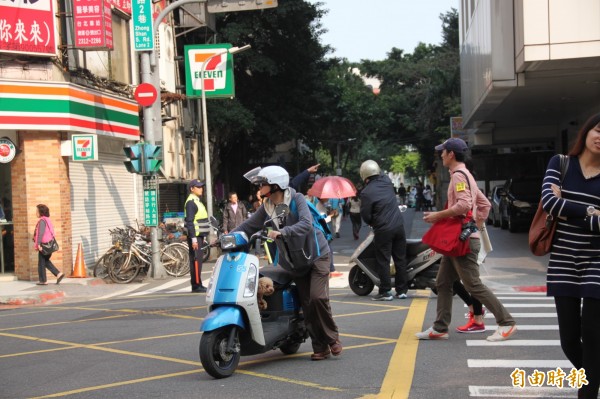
175	259
122	270
102	265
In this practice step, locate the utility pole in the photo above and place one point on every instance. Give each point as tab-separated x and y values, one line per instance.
152	118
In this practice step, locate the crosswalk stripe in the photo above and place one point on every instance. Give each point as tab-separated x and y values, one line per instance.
526	392
528	327
161	287
526	298
489	315
526	305
515	342
121	292
519	363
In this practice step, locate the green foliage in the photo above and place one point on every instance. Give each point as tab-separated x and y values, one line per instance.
407	163
286	89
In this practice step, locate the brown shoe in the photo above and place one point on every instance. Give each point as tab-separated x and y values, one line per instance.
336	348
320	355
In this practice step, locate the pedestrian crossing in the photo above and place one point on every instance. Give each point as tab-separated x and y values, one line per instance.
535	350
181	285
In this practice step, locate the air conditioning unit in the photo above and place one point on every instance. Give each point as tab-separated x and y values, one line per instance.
166	57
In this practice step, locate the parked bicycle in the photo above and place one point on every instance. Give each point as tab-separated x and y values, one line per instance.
131	254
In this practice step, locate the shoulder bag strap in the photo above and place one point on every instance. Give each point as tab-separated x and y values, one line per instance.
471	191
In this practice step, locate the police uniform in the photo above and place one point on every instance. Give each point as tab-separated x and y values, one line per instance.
197	224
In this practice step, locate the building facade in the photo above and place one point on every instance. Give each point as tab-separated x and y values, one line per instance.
530	76
70	67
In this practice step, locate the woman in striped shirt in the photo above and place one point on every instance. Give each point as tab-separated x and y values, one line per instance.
574	266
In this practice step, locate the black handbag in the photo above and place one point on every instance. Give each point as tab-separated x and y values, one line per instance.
49	247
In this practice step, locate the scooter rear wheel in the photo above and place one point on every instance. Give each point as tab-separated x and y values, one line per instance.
359	282
215	358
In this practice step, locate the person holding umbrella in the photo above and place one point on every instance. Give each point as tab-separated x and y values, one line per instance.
379	209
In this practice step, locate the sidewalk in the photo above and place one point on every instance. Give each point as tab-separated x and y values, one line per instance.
20	293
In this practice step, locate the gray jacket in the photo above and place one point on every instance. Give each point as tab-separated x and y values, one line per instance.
297	231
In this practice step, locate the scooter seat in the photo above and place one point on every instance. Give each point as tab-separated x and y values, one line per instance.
415	246
279	275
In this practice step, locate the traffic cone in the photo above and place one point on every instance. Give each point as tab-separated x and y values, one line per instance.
79	266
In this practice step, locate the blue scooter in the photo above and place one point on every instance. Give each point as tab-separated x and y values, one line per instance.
235	326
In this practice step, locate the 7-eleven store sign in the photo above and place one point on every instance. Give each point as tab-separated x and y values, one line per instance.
85	147
218	71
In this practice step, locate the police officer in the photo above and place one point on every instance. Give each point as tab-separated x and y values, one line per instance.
197	224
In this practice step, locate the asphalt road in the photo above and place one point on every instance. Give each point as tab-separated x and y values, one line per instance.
144	343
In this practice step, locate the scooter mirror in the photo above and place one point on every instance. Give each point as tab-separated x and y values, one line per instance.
214	222
282	210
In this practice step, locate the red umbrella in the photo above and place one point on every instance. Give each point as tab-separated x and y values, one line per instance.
332	187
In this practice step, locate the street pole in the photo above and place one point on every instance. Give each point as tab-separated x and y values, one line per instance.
152	119
207	172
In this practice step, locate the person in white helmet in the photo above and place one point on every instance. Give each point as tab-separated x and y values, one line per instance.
297	233
379	209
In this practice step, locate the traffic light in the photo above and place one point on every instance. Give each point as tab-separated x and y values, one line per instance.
151	153
135	163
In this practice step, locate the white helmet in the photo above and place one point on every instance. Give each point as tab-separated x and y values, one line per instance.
272	175
369	168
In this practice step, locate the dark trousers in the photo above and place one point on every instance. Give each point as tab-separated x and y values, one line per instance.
391	244
196	263
578	327
44	263
356	224
461	291
313	289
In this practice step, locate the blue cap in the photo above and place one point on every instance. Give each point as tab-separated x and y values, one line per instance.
453	144
195	183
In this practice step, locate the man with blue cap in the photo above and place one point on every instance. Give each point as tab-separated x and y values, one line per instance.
463	197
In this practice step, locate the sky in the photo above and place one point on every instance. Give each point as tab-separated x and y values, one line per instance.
368	29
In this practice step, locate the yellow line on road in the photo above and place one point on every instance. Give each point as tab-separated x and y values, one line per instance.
118	384
288	380
394	309
398	378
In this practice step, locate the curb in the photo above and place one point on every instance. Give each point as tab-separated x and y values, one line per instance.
31	299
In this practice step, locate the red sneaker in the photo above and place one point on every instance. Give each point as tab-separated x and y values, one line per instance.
471	327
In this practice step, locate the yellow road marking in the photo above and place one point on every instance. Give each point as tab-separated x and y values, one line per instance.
118	384
402	362
290	381
65	322
39	351
371	312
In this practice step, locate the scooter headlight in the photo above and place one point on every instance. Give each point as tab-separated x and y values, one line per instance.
250	287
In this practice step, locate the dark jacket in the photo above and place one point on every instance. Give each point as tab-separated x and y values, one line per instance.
379	207
294	231
232	219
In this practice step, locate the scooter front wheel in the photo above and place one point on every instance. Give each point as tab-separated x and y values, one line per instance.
216	359
359	282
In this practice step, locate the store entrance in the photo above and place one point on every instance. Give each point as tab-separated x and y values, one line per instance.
7	244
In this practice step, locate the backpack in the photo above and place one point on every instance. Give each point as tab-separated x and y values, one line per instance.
318	219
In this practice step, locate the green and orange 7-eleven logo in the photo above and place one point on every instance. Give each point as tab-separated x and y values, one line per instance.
210	66
85	147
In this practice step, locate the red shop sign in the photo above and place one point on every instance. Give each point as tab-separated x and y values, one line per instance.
27	27
92	20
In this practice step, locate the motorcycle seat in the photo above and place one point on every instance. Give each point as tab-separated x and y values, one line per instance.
279	275
415	246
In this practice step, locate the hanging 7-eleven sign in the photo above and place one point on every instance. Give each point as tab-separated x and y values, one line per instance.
85	147
218	71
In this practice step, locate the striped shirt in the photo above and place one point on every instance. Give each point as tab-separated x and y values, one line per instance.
574	266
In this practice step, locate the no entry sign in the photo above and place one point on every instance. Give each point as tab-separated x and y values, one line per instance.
145	94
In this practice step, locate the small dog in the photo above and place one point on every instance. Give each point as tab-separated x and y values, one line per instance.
265	288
